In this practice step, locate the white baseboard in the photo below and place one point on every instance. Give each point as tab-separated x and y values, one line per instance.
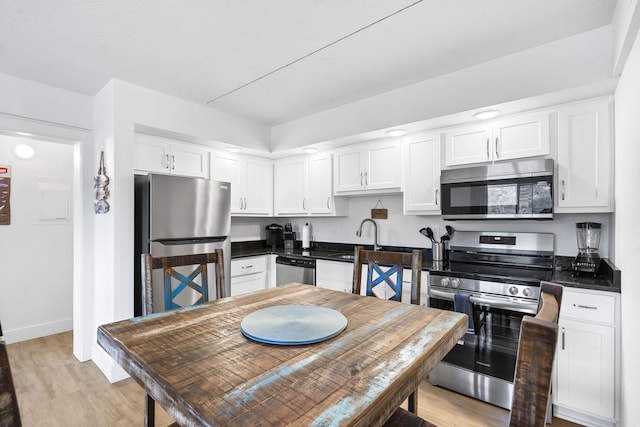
107	365
37	331
581	418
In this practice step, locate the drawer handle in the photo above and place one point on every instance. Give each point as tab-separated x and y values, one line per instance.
588	307
247	266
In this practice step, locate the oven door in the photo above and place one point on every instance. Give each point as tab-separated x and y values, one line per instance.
482	364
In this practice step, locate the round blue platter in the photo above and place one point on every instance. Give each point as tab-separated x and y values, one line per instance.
293	324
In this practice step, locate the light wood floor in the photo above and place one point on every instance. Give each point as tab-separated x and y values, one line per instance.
54	389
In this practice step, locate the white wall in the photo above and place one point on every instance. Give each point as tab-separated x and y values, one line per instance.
36	267
567	63
401	230
627	234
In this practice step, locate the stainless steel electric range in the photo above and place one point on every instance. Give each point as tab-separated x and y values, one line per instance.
497	278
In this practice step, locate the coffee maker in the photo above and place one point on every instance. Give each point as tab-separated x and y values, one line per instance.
274	234
588	260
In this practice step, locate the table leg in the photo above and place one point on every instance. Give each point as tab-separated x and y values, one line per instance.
149	411
412	403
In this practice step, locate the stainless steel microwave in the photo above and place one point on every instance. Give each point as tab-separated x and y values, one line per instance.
513	190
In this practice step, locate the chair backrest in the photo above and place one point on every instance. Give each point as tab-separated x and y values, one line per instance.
9	412
176	282
384	271
534	363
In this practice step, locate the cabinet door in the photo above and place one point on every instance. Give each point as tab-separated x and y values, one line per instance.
348	174
229	168
189	160
421	168
584	158
258	187
290	182
382	165
468	144
248	283
521	136
320	196
586	367
152	154
334	275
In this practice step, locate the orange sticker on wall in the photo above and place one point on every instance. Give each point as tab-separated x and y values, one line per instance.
5	193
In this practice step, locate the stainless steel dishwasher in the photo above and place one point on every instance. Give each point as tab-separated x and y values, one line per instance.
291	269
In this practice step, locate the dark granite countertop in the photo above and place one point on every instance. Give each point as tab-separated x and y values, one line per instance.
608	278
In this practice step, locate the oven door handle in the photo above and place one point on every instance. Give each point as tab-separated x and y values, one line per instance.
522	307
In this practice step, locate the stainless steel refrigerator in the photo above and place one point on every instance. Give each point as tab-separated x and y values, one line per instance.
179	216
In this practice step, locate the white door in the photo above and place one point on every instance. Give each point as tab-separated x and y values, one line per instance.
259	187
320	197
229	168
189	160
584	157
290	182
382	165
468	144
586	367
421	167
348	172
521	136
152	154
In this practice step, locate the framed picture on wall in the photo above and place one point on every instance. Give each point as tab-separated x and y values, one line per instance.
5	193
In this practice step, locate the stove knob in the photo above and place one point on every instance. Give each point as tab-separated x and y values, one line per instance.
444	281
527	292
513	290
455	283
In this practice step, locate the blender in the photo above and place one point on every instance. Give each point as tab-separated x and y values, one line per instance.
588	260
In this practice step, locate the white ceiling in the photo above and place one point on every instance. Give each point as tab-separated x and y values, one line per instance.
199	50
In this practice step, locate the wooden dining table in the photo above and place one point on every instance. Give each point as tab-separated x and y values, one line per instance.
198	365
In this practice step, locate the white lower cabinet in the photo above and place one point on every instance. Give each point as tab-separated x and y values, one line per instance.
335	275
586	380
248	275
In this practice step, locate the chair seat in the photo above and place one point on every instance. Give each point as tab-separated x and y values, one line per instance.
403	418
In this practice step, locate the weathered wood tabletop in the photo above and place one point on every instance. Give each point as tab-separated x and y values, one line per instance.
196	363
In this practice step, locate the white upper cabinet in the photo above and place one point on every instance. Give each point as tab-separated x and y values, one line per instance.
584	178
421	169
320	195
290	186
251	181
515	137
303	186
162	155
368	168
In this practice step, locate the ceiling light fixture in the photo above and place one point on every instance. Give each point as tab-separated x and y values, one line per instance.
24	151
396	132
310	150
487	114
234	149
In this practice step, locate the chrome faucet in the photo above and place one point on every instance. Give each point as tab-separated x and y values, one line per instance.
376	246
